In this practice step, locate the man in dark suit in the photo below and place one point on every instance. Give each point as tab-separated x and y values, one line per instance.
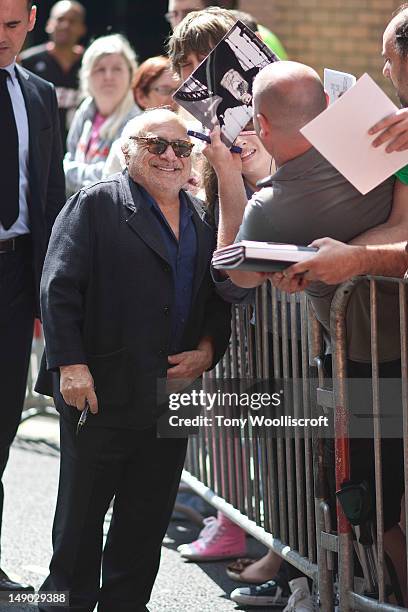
127	299
32	193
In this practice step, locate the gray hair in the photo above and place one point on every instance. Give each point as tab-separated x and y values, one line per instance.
137	125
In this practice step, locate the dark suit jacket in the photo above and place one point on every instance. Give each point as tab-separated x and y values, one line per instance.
46	176
106	296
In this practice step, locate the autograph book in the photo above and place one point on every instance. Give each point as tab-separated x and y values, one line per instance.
254	256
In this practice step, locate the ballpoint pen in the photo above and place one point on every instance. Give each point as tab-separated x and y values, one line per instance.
83	417
206	138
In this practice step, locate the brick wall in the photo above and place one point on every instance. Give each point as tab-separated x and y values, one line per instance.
341	34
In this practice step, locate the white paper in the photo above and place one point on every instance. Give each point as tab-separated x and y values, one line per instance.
340	134
337	83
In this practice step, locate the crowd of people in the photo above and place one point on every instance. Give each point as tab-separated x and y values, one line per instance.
109	218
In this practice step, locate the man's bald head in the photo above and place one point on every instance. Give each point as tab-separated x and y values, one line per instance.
143	124
288	95
140	125
64	6
66	23
162	173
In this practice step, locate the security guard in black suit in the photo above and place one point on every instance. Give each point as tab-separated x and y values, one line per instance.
32	190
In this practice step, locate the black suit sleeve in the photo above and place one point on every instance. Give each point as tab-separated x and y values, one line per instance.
55	198
64	283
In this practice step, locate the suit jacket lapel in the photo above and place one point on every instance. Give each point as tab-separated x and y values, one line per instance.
37	113
142	222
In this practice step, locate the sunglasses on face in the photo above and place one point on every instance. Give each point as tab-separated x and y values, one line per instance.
158	146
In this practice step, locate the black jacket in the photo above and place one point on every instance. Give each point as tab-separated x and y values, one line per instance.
106	299
46	176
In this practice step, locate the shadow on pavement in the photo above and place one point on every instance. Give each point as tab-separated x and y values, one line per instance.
37	445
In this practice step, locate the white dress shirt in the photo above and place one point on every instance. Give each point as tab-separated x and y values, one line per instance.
22	224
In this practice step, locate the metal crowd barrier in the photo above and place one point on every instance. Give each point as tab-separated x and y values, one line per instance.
273	487
350	600
276	489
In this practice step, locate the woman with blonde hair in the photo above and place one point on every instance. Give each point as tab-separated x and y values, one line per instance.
106	77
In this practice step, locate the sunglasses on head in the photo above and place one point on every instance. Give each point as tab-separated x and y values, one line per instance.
158	146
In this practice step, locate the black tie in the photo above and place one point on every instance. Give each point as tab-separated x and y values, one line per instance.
9	162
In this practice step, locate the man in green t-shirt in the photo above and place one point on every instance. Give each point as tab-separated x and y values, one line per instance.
402	175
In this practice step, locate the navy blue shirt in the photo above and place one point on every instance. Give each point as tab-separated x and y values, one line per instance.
182	258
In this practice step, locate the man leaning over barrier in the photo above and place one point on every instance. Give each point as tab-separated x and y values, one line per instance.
127	299
304	199
382	252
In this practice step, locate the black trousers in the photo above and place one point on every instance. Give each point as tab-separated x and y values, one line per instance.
142	473
16	332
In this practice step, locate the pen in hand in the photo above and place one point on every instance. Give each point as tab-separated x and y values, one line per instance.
83	417
200	136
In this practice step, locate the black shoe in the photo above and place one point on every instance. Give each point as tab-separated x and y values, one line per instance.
269	593
9	585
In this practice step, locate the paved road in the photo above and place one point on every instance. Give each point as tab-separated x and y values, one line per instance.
31	483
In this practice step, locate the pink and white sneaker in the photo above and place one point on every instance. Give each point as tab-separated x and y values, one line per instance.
219	539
